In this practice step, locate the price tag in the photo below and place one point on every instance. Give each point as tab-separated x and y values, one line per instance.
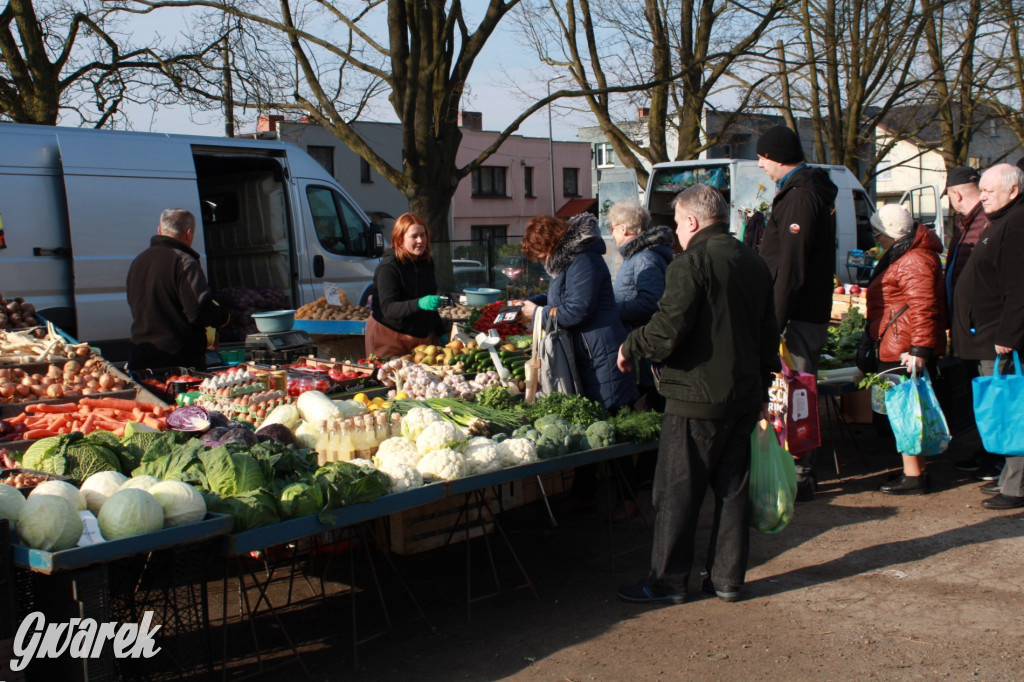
331	290
90	530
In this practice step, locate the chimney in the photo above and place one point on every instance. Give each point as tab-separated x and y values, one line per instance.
307	119
642	113
267	123
473	120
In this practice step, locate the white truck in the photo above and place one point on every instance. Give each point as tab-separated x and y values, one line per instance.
77	205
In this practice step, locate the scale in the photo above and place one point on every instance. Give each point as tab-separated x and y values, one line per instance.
279	347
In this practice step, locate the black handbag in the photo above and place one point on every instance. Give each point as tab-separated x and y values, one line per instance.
867	351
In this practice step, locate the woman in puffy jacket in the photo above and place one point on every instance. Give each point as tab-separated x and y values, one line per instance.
640	281
906	310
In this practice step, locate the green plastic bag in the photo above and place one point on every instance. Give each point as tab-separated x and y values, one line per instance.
772	491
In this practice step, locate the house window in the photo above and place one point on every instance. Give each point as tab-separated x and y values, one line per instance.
528	181
489	181
479	234
884	171
323	155
364	171
604	155
571	182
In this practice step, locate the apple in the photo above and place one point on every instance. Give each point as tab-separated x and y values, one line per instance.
854	289
839	290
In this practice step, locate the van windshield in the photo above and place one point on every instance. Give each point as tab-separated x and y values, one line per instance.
337	225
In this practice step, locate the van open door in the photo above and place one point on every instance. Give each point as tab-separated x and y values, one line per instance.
925	203
613	185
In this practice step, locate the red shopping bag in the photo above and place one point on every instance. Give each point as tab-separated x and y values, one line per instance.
793	407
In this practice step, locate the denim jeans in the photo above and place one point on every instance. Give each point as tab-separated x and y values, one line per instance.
695	454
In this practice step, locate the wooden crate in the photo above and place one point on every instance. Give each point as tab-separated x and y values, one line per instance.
431	525
523	491
842	303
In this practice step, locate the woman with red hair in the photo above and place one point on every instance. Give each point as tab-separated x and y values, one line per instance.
405	296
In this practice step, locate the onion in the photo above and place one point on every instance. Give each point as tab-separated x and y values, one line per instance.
21	390
72	367
7	390
54	391
106	381
87	391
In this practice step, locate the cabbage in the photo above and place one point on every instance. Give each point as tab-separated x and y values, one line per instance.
350	408
11	503
49	523
61	489
300	499
98	487
130	512
250	510
234	473
286	415
144	482
278	432
182	503
239	434
306	435
315	407
191	418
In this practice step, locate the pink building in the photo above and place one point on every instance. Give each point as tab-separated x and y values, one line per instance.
515	183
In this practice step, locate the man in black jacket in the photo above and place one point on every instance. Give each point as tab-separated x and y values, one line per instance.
716	344
988	319
170	299
799	246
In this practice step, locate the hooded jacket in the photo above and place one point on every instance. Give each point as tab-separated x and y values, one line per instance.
988	295
640	281
398	288
714	332
909	274
581	290
799	246
171	306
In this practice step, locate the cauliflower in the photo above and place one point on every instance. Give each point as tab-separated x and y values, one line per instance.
445	464
482	456
402	477
439	436
600	435
516	451
397	450
417	419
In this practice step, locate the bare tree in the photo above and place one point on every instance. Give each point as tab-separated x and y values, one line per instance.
1002	52
59	57
686	49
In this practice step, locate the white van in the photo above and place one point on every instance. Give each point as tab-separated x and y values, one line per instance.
77	205
749	189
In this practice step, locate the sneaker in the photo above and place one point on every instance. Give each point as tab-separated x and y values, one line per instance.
724	592
646	592
988	473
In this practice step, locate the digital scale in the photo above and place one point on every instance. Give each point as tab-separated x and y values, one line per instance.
279	347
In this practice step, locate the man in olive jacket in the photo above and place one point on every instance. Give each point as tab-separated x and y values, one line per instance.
715	341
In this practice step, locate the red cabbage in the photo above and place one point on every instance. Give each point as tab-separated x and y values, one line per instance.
191	418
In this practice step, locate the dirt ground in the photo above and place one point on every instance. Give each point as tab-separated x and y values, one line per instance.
860	585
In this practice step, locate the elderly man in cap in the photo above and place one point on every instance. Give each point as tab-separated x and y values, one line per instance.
988	318
799	246
968	226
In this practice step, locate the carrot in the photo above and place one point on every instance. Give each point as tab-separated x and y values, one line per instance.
57	421
18	418
87	425
33	434
119	432
107	426
117	404
151	422
137	415
52	408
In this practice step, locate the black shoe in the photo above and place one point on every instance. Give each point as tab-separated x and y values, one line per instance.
1001	501
988	473
806	484
724	592
990	488
906	485
970	465
645	592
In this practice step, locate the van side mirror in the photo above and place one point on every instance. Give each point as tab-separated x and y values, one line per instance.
376	240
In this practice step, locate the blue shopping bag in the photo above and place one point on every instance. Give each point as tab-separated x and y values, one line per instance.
916	418
998	406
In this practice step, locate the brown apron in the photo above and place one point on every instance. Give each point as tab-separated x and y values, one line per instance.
385	342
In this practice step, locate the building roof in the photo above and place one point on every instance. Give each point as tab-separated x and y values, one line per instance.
577	206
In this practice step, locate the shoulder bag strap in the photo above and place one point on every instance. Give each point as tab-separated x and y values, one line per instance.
886	327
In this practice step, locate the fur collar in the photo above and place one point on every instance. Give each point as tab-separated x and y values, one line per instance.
659	235
581	234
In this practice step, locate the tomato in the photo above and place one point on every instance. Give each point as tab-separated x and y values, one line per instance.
854	289
839	290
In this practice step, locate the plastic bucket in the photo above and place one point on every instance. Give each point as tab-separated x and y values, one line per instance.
878	394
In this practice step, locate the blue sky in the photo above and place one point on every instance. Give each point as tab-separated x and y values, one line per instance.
503	59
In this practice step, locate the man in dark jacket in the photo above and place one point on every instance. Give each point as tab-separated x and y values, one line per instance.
170	300
716	340
799	246
988	319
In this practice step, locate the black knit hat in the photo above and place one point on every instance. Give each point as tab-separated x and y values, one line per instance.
780	144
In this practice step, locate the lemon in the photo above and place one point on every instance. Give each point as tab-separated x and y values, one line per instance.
361	398
401	395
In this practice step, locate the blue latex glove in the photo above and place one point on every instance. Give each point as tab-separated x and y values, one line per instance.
429	302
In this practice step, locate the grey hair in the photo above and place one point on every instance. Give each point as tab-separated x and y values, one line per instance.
630	213
1009	176
175	222
705	202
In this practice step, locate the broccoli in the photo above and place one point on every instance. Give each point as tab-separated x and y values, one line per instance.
600	435
552	443
549	420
